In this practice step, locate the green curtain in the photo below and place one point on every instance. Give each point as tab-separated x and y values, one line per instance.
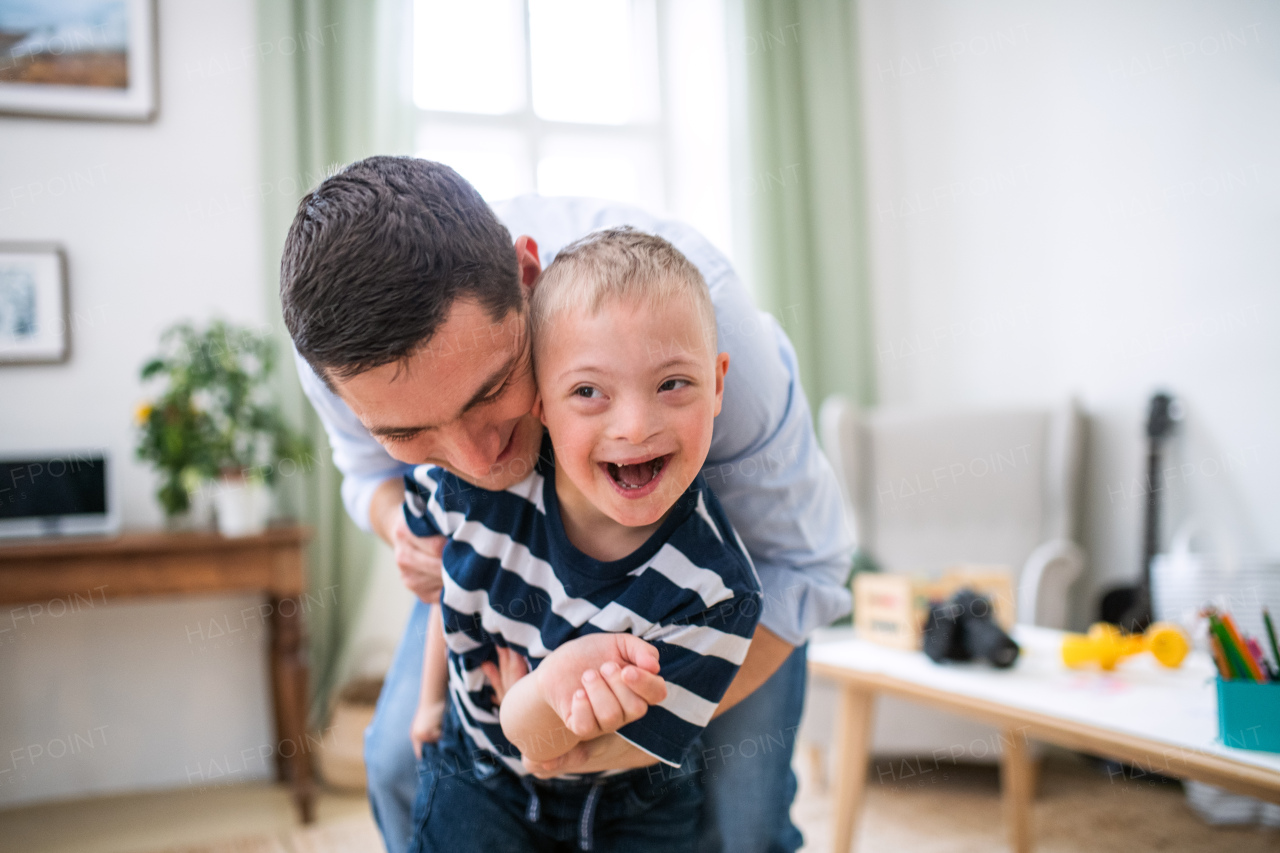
804	184
334	87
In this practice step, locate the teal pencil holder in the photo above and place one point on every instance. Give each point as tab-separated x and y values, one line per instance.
1249	714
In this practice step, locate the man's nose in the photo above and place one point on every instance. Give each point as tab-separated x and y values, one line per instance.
473	450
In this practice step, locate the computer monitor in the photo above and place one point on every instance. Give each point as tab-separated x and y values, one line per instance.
57	494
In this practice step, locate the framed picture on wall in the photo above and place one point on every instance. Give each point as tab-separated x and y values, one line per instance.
78	58
33	304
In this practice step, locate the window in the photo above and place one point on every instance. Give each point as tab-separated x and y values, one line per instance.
618	99
559	97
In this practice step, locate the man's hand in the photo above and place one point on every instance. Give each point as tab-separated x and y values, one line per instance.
610	752
417	557
600	682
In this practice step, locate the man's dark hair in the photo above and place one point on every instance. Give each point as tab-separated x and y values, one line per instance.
378	254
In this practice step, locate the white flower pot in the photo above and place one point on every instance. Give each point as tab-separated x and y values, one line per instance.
242	506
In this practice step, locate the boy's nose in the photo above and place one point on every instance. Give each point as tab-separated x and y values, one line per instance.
634	422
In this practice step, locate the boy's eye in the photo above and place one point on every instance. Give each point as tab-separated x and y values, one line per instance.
586	391
673	384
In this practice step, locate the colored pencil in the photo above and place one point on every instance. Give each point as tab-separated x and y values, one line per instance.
1238	667
1238	639
1220	658
1255	651
1271	635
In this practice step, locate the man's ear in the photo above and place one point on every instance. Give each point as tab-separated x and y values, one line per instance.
722	367
527	261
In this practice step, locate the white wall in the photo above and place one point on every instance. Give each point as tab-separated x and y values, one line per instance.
1083	198
158	228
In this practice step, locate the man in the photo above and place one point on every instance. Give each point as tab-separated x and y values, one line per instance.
406	301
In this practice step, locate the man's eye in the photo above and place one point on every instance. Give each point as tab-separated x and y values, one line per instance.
587	392
673	384
497	392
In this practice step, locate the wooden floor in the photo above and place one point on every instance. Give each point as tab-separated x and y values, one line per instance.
1079	808
231	819
953	810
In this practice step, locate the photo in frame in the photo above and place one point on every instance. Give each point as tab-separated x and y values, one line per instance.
33	304
78	58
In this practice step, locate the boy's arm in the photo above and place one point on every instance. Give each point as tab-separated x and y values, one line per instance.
611	752
531	724
435	685
589	686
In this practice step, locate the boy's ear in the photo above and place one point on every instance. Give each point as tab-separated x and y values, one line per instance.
537	408
722	367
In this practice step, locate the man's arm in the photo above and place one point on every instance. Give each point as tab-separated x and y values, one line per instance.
417	557
766	653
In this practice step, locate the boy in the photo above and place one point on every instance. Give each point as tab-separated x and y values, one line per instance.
619	539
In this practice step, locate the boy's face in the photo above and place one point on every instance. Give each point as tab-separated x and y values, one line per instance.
629	396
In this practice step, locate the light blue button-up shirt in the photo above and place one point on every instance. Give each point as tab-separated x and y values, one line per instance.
765	465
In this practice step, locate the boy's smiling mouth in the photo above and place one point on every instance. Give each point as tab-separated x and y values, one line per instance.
636	479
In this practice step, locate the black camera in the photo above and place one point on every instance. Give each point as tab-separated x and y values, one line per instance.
964	629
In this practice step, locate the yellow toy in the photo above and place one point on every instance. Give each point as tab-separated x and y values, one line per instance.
1106	644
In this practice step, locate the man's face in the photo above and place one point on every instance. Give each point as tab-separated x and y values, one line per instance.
461	402
629	396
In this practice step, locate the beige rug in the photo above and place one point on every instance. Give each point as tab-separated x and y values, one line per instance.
953	810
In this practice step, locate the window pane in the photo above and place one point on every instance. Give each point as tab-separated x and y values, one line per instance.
593	60
601	177
496	162
468	56
625	170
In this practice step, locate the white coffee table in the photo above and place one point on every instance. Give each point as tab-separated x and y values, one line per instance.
1159	720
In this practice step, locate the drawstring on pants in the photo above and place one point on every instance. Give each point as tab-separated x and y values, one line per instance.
587	823
534	809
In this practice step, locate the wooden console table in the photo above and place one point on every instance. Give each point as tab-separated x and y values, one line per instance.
149	564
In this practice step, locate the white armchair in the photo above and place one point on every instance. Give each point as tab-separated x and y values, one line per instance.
928	490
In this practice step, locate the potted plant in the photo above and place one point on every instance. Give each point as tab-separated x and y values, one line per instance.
213	421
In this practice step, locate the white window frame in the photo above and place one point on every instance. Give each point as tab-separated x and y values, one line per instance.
540	134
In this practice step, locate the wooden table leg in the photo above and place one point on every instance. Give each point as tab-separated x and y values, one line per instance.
853	740
1017	784
289	670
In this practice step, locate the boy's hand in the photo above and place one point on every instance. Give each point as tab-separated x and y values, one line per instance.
598	683
511	668
427	724
611	698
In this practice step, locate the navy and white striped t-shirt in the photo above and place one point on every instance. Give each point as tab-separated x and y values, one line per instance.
512	578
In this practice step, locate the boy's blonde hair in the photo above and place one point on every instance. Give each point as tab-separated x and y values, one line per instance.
619	264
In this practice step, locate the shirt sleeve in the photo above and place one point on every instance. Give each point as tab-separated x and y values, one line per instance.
357	455
772	478
700	649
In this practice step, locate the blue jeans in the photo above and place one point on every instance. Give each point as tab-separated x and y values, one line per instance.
468	801
746	750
